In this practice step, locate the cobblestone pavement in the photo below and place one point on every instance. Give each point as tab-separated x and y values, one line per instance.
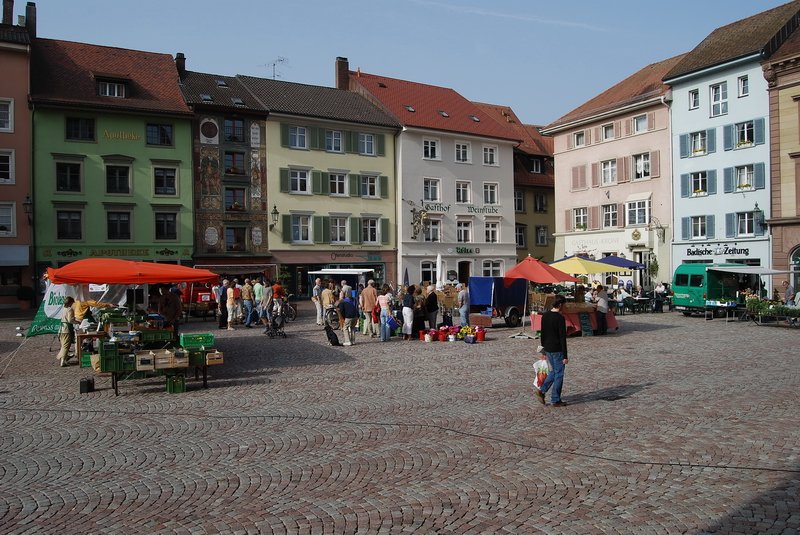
674	425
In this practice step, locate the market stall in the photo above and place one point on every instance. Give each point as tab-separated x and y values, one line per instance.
579	317
128	342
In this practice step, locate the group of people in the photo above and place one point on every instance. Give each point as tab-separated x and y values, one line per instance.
256	301
375	308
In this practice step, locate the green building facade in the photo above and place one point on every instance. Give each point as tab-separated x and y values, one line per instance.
112	185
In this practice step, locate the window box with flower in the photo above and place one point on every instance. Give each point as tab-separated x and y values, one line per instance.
699	193
744	186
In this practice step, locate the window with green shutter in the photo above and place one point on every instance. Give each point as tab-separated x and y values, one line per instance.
355	230
384	186
284	180
380	145
384	230
284	135
286	228
355	185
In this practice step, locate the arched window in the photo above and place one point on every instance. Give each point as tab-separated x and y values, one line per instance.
794	266
428	272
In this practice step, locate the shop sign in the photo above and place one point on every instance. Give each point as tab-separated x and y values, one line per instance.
121	136
483	210
718	250
436	207
141	252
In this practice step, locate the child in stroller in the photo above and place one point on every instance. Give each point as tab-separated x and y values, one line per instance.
277	320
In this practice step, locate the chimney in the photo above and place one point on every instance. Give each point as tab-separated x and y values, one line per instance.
180	63
342	73
30	19
8	11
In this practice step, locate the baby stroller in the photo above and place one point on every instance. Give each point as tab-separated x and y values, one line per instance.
278	320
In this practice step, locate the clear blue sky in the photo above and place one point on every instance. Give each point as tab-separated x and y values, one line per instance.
542	58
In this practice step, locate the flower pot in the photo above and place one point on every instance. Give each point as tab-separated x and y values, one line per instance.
442	336
451	338
426	337
480	336
470	339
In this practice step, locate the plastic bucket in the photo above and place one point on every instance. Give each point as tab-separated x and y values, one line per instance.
480	336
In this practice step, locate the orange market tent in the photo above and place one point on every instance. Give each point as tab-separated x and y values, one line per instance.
115	271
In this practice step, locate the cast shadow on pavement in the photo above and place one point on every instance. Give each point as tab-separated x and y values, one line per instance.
612	393
774	511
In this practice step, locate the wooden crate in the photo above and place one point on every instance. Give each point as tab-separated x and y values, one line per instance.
145	361
181	359
214	358
163	359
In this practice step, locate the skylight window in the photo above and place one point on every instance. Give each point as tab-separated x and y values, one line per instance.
222	83
237	101
381	84
207	98
443	113
475	118
410	108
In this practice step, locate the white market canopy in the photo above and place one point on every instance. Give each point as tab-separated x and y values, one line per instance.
751	270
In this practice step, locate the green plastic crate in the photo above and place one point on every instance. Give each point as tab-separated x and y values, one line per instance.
197	358
111	363
156	335
176	384
191	341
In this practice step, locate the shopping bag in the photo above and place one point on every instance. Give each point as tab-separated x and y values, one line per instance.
541	368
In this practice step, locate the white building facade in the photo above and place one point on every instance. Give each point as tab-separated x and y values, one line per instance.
720	158
465	185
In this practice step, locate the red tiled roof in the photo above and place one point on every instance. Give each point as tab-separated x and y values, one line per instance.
641	86
428	101
789	49
66	73
738	39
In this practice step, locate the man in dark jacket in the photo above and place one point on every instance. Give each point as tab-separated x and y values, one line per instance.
349	311
554	340
431	307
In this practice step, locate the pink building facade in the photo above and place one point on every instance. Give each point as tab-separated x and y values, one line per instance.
17	278
614	178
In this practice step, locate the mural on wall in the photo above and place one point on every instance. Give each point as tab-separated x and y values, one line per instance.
256	175
209	178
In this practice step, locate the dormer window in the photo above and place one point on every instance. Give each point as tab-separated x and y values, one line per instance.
107	88
206	98
222	83
239	103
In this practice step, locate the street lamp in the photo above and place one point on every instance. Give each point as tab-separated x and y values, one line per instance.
27	205
274	214
758	217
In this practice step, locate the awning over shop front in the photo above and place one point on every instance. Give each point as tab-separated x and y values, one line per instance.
341	271
236	269
14	255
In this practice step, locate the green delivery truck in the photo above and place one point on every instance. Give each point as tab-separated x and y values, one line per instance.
701	288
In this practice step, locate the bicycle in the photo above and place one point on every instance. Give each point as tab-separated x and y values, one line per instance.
289	309
331	317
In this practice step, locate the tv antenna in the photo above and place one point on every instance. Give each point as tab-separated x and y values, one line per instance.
274	64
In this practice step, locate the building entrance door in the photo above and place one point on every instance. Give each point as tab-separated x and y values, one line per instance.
464	271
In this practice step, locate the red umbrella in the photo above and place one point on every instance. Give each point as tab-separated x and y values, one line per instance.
537	271
116	271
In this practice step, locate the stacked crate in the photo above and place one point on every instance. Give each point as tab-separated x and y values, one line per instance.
201	350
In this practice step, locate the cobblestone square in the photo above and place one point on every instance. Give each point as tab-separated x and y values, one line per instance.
674	425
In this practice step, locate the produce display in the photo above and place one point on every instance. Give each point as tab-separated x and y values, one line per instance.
137	346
